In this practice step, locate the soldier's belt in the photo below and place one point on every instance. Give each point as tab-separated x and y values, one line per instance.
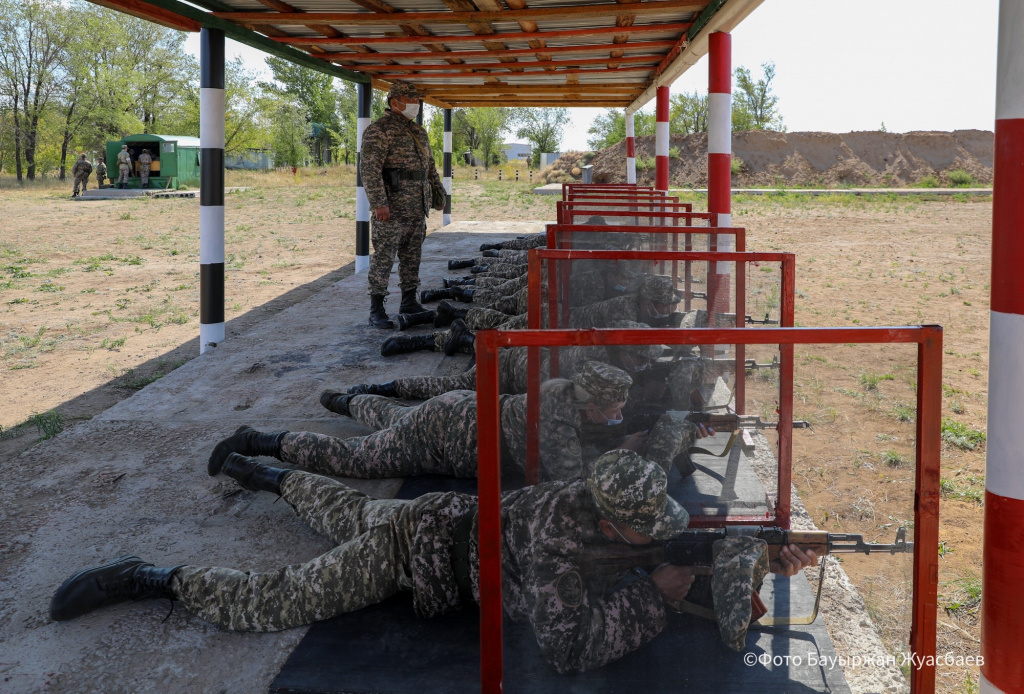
404	174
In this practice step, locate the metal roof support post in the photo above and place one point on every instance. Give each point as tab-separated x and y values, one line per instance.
1002	612
446	216
211	188
630	150
661	142
364	93
720	163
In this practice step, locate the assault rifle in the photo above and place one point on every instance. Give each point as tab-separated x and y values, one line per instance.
693	548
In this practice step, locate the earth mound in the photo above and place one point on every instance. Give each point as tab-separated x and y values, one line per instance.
766	159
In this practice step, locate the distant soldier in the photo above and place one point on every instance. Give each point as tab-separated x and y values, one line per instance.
81	171
145	161
101	173
124	167
402	185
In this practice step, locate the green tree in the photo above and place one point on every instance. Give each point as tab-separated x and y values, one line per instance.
609	127
33	37
688	113
755	105
542	127
290	133
316	92
482	130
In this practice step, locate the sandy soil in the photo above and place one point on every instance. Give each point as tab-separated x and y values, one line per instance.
97	299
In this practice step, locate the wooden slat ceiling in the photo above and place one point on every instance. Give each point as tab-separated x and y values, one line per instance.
487	52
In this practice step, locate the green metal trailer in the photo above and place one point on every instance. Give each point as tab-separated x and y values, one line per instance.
175	160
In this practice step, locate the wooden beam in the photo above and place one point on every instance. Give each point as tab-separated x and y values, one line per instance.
451	91
468	67
461	38
156	15
647	46
471	103
372	18
418	77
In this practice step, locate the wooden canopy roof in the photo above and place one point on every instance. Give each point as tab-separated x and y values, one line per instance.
608	53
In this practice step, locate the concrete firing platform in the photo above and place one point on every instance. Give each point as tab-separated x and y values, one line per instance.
133	481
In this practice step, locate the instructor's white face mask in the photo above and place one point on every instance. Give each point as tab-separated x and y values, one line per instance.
411	111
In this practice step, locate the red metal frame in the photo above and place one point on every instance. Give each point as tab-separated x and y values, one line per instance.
620	195
538	257
672	210
740	233
569	188
926	500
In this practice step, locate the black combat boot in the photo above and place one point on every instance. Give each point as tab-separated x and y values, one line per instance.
457	264
256	477
246	441
491	254
336	402
461	339
447	312
409	304
450	282
465	294
386	389
402	345
378	316
490	246
428	295
124	578
409	320
477	269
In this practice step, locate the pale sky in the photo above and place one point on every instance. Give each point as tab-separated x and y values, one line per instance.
845	65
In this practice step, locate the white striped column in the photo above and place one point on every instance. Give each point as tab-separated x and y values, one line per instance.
211	188
720	156
1002	610
630	150
446	217
364	94
661	141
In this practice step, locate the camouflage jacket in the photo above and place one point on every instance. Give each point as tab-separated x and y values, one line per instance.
388	143
561	456
101	170
523	243
124	159
81	168
146	160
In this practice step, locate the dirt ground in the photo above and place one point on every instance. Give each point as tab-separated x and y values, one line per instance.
97	299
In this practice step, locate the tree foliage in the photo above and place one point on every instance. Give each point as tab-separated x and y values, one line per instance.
755	106
542	127
688	113
609	128
480	130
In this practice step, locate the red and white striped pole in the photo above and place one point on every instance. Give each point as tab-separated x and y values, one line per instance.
1002	610
661	142
720	159
630	150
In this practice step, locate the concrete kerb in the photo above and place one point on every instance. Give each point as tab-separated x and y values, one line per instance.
132	481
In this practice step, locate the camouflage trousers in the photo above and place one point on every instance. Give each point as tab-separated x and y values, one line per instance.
395	238
434	437
486	282
488	296
739	567
82	181
370	563
122	173
508	271
512	371
144	174
525	242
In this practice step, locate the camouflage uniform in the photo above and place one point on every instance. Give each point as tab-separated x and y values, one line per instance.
391	143
81	171
386	546
101	173
488	296
507	271
439	436
525	243
124	166
145	161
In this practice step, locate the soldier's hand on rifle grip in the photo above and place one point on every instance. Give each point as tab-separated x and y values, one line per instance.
704	431
673	582
382	214
792	559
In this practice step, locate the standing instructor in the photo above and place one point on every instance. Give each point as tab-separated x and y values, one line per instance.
401	185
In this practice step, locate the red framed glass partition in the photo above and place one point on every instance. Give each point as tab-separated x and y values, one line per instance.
926	497
556	300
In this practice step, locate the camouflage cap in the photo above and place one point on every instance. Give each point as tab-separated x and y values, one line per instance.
632	490
646	352
604	384
124	146
403	90
660	289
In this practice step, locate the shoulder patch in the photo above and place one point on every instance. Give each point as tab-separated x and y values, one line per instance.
572	447
569	587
